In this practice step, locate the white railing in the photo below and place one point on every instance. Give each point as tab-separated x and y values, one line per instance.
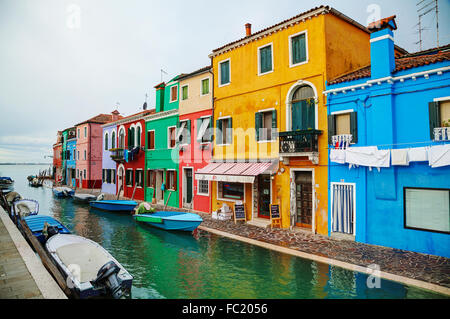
344	141
442	134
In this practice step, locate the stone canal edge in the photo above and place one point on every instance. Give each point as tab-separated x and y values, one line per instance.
330	261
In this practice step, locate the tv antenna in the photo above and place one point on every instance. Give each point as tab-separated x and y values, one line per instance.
162	71
424	9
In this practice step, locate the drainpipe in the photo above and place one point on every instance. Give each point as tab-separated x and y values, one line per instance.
212	123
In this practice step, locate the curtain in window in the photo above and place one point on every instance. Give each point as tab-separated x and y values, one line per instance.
266	59
343	209
225	72
298	49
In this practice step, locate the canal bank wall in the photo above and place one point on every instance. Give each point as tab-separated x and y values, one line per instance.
22	274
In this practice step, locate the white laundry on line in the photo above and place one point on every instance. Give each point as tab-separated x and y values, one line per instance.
337	156
400	157
439	156
418	154
369	156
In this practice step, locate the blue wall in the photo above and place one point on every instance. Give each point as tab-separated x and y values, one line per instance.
71	160
390	114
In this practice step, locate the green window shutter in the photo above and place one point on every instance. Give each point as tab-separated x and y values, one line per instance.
258	124
298	49
129	138
185	92
138	136
205	86
434	117
225	72
274	124
354	127
188	127
265	59
218	132
199	123
230	131
331	128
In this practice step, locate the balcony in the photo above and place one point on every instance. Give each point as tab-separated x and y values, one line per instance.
300	143
117	155
342	141
442	134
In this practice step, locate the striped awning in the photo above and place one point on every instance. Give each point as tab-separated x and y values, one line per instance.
235	172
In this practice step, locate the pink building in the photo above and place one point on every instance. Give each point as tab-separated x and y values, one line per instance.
89	150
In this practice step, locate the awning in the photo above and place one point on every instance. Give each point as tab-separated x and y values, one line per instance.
235	172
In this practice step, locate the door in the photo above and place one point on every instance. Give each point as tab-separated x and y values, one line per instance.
188	188
264	197
303	199
159	182
120	180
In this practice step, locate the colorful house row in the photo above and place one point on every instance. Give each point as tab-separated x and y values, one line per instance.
390	122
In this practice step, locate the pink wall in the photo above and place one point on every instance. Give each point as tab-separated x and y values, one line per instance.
92	144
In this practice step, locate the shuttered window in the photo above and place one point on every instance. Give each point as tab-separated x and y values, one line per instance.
266	125
298	49
184	92
340	124
151	178
151	140
205	86
106	142
113	140
171	137
139	177
204	130
171	180
173	93
129	177
265	59
224	131
224	69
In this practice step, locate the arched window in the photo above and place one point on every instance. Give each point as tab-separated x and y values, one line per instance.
106	141
138	136
131	138
113	139
303	108
122	138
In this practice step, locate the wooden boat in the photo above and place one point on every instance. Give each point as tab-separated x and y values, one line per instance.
25	207
63	192
42	227
170	220
114	205
84	198
91	269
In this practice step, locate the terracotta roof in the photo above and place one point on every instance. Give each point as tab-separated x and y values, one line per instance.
199	71
405	62
142	113
388	22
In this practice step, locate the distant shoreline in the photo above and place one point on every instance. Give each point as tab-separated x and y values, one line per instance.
26	163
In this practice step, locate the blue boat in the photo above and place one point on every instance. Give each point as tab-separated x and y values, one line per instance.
63	192
36	223
114	205
171	220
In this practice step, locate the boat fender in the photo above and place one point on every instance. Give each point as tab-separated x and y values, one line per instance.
107	275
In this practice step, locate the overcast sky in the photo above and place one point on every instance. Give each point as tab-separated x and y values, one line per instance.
62	62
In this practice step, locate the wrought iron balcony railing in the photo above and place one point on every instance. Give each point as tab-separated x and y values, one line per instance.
117	155
442	134
296	142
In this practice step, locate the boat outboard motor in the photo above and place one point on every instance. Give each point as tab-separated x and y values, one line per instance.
49	231
107	276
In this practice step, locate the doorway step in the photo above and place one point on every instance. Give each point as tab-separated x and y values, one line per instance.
259	222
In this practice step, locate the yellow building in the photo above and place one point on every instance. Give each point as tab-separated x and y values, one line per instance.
269	111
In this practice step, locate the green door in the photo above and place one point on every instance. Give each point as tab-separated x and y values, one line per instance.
303	115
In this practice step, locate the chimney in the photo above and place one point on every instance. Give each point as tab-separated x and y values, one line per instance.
115	115
248	29
382	55
160	88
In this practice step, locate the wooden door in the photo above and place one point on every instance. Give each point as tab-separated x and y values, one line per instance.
264	196
304	199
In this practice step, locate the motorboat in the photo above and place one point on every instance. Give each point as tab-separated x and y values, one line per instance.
170	220
25	207
114	205
84	198
63	191
42	227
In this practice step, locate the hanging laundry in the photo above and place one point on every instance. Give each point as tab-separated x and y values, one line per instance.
400	157
337	156
418	154
369	156
439	156
125	155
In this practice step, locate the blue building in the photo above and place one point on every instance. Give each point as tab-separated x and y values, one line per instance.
389	157
71	161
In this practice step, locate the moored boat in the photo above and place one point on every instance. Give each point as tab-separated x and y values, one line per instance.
84	198
114	205
170	220
63	192
42	227
25	207
91	269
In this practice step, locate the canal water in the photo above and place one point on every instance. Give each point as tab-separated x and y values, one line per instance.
202	265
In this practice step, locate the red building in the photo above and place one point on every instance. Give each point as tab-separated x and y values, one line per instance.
194	138
130	154
57	158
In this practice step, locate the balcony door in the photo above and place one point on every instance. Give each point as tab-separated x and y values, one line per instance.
303	109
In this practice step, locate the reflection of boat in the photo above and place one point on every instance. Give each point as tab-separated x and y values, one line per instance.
92	270
84	198
114	205
63	191
41	226
26	207
171	220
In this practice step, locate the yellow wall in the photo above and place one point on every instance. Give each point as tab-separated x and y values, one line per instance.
248	92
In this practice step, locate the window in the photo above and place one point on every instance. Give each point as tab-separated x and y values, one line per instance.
298	49
78	154
204	129
224	131
427	209
78	173
224	72
85	132
84	174
184	92
131	137
342	127
171	180
203	187
205	87
85	154
151	178
113	172
108	176
266	125
439	117
233	191
138	136
265	60
122	138
171	137
74	154
106	142
103	175
129	177
342	208
79	133
151	140
139	178
113	139
174	93
184	133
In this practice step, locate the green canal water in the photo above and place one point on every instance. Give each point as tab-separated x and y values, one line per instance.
202	265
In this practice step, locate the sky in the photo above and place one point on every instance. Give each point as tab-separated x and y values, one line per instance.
64	61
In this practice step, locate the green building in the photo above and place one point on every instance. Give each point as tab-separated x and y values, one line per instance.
162	152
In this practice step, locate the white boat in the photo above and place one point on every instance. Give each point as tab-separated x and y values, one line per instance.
85	198
89	269
26	207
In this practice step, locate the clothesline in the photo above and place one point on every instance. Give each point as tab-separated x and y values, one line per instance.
430	143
